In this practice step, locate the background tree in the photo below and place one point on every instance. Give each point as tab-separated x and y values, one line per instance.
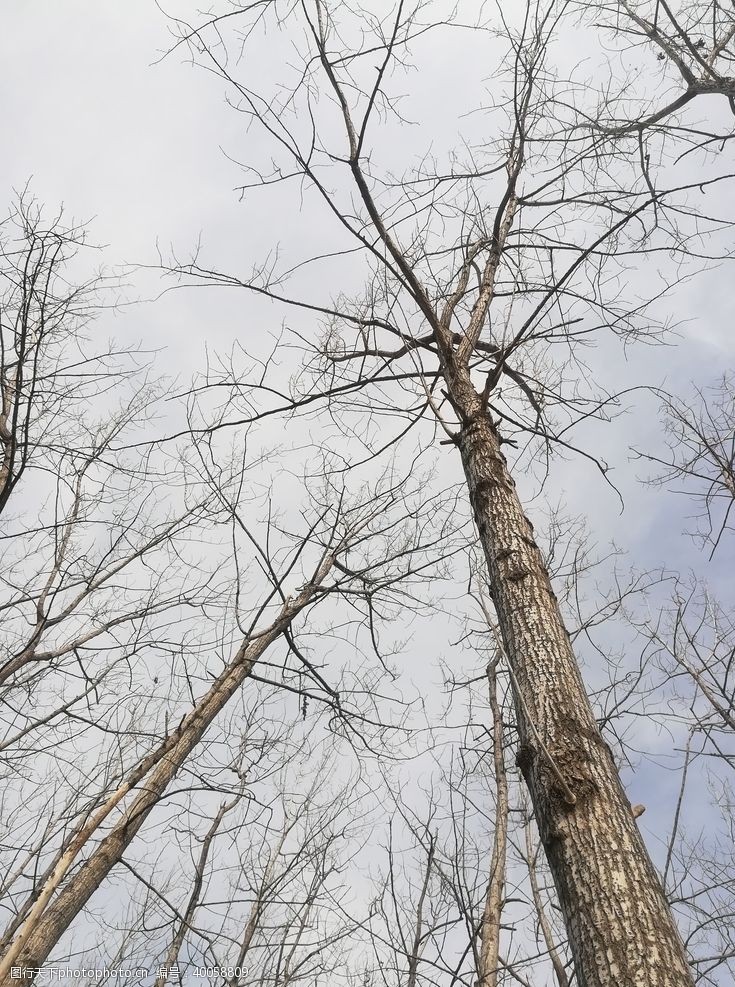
694	44
701	455
125	641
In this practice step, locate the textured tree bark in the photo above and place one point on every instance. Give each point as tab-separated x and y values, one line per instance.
49	919
620	928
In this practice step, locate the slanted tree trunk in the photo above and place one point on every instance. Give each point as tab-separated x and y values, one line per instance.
619	925
50	917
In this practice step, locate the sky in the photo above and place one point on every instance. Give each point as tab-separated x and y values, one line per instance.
141	148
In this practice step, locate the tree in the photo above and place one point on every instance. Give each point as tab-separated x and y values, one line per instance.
465	309
701	455
694	43
47	371
62	892
268	909
107	590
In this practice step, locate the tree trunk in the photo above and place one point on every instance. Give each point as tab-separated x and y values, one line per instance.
489	958
185	923
546	931
618	922
48	920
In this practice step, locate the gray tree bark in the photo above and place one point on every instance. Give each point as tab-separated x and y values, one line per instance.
620	928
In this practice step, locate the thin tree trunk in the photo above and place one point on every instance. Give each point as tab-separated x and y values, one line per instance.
258	906
490	928
172	956
416	945
619	925
47	921
546	930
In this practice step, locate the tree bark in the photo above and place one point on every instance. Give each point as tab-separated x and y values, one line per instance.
620	928
49	919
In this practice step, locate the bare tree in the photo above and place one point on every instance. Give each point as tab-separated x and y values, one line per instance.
494	899
108	592
270	909
48	371
700	435
473	317
65	888
694	44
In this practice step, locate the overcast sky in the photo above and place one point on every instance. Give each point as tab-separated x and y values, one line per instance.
138	149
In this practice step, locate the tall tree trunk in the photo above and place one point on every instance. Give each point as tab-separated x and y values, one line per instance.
259	904
49	919
620	928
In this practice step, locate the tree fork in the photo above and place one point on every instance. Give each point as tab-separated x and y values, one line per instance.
620	928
